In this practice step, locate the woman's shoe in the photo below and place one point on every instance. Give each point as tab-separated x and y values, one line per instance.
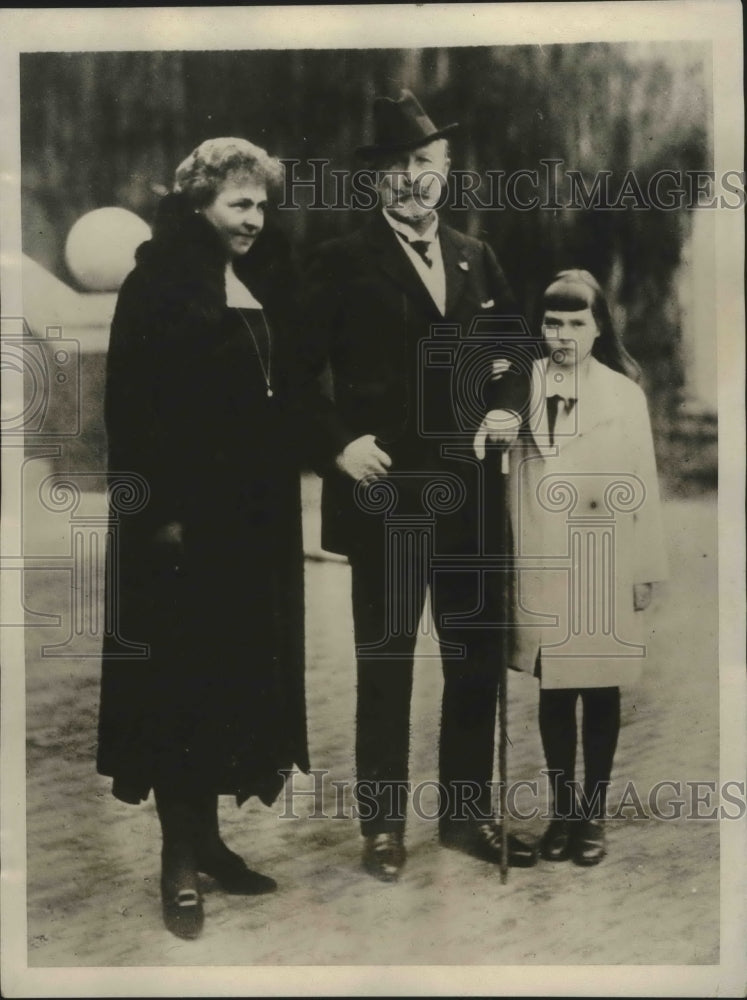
182	904
182	913
589	845
233	875
557	840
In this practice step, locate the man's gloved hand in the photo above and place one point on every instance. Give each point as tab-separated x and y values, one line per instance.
363	460
498	427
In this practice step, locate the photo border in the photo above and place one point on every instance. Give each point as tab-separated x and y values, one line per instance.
447	25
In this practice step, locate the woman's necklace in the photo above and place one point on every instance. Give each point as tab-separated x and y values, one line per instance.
266	371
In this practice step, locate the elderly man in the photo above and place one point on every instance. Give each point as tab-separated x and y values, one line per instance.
402	307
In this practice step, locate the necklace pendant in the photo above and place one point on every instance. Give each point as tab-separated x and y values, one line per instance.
270	392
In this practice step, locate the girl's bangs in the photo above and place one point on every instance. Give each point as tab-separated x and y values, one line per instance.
568	296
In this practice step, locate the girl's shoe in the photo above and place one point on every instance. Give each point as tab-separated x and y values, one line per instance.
589	844
557	840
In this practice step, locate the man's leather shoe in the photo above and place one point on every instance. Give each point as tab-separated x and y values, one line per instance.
557	840
384	855
589	845
482	839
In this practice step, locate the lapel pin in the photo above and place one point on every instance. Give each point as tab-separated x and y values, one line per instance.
463	265
487	305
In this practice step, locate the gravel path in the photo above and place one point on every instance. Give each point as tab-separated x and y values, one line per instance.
93	897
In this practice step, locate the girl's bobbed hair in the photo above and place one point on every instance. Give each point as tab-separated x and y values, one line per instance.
201	174
576	289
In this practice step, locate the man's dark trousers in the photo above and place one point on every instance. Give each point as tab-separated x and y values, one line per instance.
389	581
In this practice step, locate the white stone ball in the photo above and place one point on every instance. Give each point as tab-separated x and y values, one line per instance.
100	248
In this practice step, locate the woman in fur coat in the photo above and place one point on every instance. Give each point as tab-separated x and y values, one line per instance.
202	688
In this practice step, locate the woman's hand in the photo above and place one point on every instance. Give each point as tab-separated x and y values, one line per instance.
642	595
362	459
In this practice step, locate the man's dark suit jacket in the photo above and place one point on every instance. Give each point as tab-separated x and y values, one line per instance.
400	370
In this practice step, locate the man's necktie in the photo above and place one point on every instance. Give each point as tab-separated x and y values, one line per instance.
552	412
421	248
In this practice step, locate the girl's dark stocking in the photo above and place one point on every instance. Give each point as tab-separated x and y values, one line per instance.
557	723
600	730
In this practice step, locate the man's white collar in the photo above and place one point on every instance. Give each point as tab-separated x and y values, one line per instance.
409	233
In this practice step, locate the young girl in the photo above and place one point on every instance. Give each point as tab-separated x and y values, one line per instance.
588	540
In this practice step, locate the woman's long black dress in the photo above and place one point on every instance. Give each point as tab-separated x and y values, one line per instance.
218	701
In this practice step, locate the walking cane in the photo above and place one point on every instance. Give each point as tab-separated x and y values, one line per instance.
505	549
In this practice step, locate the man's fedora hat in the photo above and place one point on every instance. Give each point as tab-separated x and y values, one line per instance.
401	125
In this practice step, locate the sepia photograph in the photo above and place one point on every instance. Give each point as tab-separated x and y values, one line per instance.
372	609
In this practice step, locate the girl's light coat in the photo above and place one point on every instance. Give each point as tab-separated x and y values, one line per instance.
587	525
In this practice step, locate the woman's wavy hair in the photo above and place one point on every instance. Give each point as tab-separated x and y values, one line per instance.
576	289
201	174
